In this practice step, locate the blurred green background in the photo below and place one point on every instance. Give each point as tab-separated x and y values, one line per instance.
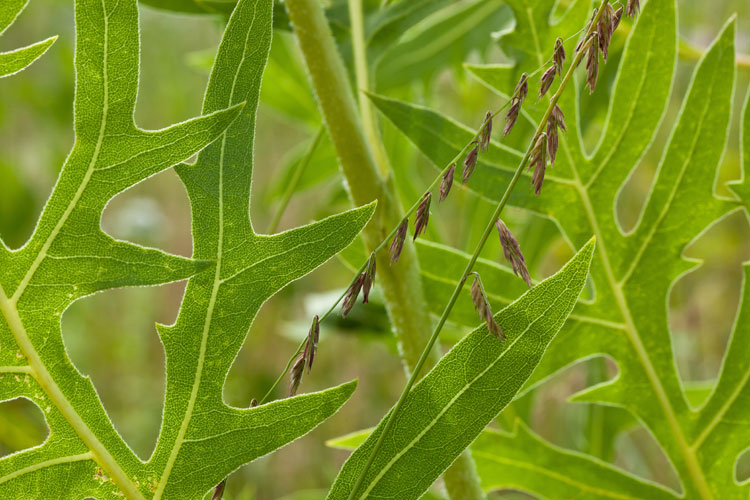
111	336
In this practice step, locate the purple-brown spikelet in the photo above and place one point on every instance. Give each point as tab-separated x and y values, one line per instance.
559	117
632	8
552	142
538	160
219	490
546	81
538	178
512	252
484	137
522	88
559	55
350	298
311	345
295	375
369	278
519	95
422	216
398	241
556	119
604	29
447	181
470	162
511	116
592	64
482	306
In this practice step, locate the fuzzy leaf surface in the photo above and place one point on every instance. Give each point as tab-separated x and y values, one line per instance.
68	257
632	272
470	385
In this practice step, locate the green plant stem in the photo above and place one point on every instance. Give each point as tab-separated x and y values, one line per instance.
400	283
296	176
363	85
483	239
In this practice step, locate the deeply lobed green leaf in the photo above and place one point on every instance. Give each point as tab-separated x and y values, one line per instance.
202	439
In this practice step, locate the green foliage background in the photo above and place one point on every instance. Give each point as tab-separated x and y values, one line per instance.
111	336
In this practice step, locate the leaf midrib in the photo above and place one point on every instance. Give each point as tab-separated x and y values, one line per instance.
9	308
450	403
668	202
694	468
583	487
214	290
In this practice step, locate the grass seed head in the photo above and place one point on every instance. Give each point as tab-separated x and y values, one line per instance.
632	8
369	278
512	252
298	369
422	216
482	306
446	182
559	55
484	141
511	116
350	298
522	88
398	240
592	63
470	162
546	81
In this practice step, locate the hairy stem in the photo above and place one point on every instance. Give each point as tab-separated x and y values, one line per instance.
401	283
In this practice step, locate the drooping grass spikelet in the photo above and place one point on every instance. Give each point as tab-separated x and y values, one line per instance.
422	216
559	55
592	63
369	278
484	140
632	8
545	82
446	182
350	298
470	162
311	345
482	306
512	252
397	245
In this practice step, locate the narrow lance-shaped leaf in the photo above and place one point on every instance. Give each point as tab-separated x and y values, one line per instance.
451	405
69	257
205	439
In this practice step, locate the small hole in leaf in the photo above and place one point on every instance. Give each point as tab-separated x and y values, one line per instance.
22	425
703	303
155	213
111	337
640	454
631	198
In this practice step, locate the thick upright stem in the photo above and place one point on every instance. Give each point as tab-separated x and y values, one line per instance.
401	282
